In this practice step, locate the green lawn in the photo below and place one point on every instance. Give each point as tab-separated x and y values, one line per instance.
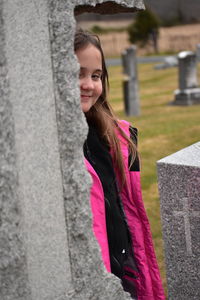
163	130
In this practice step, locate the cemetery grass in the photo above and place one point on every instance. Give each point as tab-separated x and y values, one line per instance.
163	130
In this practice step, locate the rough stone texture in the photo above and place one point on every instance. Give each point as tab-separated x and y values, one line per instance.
179	188
48	251
40	191
188	92
108	7
187	70
90	280
13	262
130	84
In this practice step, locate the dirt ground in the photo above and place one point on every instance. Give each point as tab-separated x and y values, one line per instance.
171	39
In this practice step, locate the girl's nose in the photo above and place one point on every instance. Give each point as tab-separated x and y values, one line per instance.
87	83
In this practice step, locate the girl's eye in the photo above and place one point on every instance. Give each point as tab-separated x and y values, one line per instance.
96	77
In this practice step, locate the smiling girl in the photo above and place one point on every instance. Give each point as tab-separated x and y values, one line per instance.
120	223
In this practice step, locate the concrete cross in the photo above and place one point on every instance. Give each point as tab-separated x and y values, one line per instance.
186	213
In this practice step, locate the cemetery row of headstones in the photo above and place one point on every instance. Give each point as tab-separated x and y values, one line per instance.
188	92
179	188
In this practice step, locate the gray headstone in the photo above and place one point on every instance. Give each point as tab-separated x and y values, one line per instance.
13	262
179	188
38	214
188	92
187	70
47	248
130	83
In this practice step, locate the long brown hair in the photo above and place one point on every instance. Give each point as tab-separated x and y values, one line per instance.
101	114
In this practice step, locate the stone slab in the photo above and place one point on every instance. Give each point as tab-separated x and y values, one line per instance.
14	283
187	70
189	91
86	264
39	187
46	215
179	189
108	7
130	83
189	156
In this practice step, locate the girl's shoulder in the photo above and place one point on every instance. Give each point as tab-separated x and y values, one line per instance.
128	129
123	123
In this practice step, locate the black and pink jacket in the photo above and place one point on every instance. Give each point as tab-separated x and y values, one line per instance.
147	279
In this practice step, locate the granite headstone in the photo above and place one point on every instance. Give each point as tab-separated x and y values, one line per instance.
189	91
47	248
179	189
130	83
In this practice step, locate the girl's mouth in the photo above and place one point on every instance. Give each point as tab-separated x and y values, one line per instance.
85	96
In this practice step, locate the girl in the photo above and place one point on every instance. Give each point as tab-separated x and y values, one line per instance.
119	220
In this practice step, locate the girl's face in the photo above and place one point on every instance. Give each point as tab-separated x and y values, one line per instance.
90	76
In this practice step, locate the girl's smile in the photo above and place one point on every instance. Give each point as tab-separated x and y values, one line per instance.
90	76
85	97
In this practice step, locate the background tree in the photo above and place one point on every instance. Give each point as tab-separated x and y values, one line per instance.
145	28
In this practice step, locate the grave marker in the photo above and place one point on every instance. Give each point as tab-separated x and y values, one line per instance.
189	91
48	250
130	83
179	188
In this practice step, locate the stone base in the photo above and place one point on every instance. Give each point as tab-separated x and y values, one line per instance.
187	97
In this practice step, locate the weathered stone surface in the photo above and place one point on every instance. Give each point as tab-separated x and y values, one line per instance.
39	193
179	188
47	245
13	263
108	7
130	84
187	70
86	265
189	91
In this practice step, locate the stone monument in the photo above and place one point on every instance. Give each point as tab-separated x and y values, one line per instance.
179	188
47	248
189	91
130	83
